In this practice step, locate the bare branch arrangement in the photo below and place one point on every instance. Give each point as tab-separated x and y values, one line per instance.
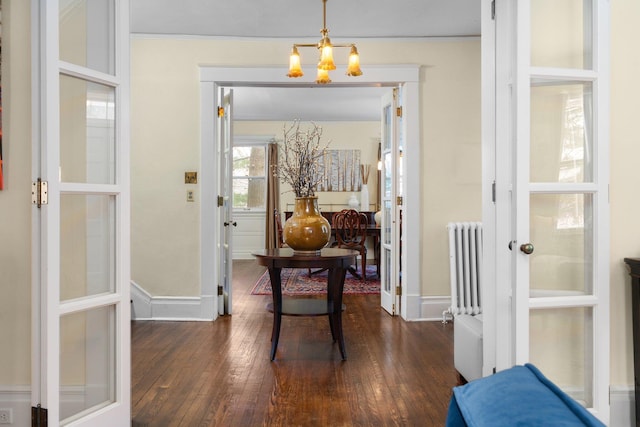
298	164
364	172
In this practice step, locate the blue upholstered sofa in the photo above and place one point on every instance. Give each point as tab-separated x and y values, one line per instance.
521	396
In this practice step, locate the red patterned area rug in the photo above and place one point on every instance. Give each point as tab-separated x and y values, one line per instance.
297	282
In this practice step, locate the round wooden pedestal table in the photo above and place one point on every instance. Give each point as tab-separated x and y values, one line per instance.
336	261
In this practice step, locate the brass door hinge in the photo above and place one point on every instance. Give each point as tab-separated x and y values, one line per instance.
220	201
220	290
220	111
398	290
39	194
399	200
38	416
399	112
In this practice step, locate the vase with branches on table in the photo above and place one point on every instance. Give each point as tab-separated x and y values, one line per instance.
306	231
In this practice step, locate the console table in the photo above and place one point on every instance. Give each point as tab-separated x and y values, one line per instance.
334	260
633	265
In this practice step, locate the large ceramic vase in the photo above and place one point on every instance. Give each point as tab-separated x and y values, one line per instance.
306	231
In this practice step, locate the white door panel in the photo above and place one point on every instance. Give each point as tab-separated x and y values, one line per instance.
227	224
390	193
552	84
82	329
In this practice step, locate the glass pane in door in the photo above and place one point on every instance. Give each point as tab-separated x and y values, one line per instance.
386	259
87	361
561	132
87	131
388	171
562	235
562	347
386	221
87	34
87	245
569	44
387	126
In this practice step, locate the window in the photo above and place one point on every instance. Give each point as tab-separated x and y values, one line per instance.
249	177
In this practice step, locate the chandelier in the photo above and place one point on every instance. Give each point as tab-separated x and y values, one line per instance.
326	63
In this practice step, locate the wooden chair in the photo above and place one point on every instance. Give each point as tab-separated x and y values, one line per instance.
351	233
279	234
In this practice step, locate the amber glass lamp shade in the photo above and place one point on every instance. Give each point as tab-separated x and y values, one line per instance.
295	70
353	69
323	77
326	55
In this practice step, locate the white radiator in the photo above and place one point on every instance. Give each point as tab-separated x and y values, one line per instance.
465	264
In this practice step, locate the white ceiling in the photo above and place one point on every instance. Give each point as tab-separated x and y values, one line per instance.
291	19
320	103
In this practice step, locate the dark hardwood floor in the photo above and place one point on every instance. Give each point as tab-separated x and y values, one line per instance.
218	373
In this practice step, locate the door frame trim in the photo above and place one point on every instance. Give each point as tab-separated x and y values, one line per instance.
407	77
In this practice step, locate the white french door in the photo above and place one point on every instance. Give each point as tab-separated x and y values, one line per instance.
225	158
391	197
556	70
81	363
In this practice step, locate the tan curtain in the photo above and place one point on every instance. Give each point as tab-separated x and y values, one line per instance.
273	197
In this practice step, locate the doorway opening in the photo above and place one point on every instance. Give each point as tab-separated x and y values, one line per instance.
406	78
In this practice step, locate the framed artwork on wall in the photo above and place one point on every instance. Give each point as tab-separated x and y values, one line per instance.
340	171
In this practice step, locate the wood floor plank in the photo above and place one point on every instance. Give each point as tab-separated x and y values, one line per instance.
219	374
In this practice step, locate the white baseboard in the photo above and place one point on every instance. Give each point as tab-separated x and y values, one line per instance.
148	307
622	404
18	400
141	302
431	308
243	255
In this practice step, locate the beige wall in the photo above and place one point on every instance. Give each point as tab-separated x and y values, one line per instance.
165	111
451	155
625	180
15	199
165	118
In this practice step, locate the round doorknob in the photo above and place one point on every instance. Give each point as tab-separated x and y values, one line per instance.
527	248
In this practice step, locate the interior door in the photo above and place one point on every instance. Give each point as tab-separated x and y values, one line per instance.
225	157
560	208
81	368
391	202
